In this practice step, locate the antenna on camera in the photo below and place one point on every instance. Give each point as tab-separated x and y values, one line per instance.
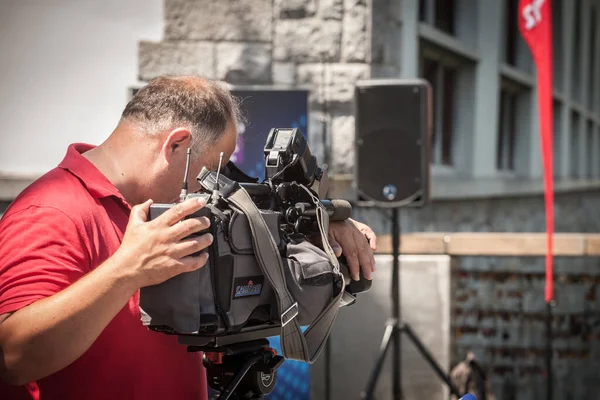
215	192
184	187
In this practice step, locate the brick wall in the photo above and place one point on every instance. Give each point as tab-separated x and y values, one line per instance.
500	314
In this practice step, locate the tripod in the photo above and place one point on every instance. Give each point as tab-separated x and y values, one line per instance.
242	371
395	327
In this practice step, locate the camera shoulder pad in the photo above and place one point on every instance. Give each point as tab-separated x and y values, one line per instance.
232	171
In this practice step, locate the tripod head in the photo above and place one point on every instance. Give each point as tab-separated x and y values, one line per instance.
242	371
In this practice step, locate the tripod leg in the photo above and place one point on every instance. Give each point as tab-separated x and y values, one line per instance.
228	392
432	362
392	333
392	326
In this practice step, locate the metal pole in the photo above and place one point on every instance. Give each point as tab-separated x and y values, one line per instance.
397	360
549	387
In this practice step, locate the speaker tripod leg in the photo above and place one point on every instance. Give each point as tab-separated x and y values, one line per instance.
390	330
405	328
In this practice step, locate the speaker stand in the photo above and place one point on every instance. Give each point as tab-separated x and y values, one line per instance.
395	327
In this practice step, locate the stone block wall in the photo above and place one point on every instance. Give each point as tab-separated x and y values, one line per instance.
573	212
324	45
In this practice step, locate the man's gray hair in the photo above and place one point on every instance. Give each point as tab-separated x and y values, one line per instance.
197	103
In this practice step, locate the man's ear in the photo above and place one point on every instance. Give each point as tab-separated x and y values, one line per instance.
177	140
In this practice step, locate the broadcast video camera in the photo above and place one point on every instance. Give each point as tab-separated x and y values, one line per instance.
270	270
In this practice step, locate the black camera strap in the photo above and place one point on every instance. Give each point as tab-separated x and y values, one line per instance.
294	344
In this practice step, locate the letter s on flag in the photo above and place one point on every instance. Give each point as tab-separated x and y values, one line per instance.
532	14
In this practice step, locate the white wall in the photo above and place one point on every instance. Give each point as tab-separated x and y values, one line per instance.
65	67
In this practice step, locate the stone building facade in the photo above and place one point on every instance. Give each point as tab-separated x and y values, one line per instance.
327	45
322	45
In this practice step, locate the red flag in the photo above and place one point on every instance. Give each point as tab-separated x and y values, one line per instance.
535	24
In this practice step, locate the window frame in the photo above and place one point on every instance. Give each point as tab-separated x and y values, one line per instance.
445	62
507	128
454	52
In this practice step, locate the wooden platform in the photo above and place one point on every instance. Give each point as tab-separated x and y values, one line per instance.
493	244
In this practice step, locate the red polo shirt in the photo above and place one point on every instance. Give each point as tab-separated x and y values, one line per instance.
61	227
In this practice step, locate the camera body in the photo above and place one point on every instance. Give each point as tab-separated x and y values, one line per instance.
233	298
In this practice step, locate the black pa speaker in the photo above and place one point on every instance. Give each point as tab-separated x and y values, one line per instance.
393	125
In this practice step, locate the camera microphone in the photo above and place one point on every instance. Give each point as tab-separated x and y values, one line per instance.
336	209
184	187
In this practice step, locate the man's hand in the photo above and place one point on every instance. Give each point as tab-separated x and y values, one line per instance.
157	250
357	242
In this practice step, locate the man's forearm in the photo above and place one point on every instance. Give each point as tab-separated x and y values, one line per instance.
51	333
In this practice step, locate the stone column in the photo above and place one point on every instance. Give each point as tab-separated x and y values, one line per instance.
323	45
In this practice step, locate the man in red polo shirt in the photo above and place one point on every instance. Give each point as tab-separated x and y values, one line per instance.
74	253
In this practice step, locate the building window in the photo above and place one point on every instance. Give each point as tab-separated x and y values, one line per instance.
512	32
590	150
593	74
576	56
442	79
575	156
557	43
448	55
507	126
596	150
515	52
581	100
557	140
439	13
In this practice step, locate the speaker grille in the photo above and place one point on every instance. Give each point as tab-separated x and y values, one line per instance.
392	142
